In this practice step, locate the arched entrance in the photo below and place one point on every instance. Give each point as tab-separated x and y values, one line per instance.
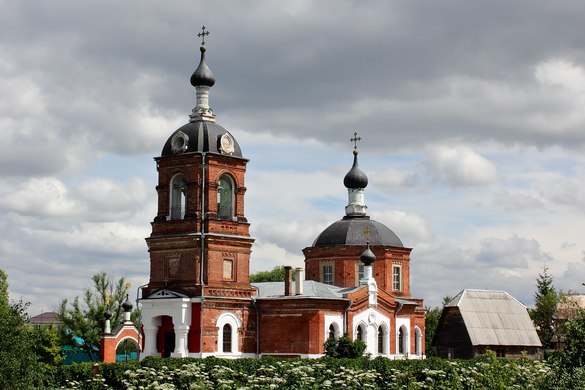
165	339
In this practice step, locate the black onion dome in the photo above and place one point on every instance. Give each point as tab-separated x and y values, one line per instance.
367	257
108	314
202	75
352	231
200	136
127	305
355	178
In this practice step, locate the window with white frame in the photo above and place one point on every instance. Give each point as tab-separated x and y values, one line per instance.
228	325
327	273
396	278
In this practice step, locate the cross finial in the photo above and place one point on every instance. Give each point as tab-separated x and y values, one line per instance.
355	140
202	35
367	232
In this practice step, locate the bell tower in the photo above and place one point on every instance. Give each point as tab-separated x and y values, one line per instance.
200	242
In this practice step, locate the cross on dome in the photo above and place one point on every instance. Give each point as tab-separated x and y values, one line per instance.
355	140
202	35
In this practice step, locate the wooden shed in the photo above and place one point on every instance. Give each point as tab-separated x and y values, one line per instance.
479	320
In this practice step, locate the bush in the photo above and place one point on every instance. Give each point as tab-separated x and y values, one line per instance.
344	347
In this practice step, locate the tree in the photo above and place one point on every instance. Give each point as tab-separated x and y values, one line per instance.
431	324
275	275
344	347
86	320
47	344
545	299
573	353
18	362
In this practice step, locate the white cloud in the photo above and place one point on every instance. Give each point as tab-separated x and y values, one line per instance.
511	253
460	166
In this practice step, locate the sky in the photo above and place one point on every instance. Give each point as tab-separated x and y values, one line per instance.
471	116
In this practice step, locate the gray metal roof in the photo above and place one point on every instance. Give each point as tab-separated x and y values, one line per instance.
495	318
204	136
351	231
311	289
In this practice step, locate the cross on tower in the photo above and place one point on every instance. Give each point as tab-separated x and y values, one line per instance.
367	232
355	140
202	35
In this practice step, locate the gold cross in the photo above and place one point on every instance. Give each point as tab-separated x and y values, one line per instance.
202	35
367	232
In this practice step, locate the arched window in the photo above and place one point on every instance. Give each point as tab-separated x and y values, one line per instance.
417	341
360	333
227	338
228	325
225	198
178	197
402	341
380	340
331	331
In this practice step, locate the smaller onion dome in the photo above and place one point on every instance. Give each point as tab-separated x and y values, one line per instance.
355	178
108	314
202	75
367	257
127	306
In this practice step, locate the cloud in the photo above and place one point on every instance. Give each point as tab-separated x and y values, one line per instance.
511	253
460	166
394	179
517	200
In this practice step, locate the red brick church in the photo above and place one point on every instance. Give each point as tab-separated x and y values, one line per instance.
199	300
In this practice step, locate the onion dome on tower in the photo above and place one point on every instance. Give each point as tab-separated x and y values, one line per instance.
356	227
202	134
367	257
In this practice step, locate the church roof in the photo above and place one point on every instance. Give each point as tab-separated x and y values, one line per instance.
311	289
201	136
356	230
495	318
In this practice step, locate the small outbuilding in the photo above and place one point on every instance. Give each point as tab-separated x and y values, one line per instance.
479	320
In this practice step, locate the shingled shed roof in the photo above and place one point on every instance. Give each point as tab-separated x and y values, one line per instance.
495	318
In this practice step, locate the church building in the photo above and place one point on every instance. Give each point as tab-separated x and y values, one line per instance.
199	300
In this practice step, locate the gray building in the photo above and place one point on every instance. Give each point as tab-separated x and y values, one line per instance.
479	320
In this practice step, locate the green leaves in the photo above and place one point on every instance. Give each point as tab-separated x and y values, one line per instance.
86	319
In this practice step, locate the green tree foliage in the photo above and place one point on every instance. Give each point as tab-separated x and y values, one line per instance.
47	344
344	347
275	275
545	299
431	324
18	362
573	353
86	319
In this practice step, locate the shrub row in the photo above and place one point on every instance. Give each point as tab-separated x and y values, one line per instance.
361	373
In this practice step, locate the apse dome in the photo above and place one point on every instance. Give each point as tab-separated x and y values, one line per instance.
356	231
201	136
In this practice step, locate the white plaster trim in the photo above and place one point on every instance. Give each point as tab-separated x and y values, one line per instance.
228	318
337	321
